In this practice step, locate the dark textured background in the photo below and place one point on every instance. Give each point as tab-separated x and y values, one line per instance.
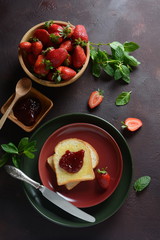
105	21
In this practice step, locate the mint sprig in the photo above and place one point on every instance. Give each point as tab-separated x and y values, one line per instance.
117	64
25	148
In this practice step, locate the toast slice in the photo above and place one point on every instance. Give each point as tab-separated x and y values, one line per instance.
94	162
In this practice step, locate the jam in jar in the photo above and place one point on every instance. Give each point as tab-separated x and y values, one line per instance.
27	109
72	162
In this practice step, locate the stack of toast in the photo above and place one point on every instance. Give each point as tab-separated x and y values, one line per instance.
86	173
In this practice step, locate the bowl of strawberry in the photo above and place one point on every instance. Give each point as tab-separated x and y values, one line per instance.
54	53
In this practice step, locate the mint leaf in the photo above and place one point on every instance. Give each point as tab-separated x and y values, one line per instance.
130	46
108	69
93	53
101	56
9	148
16	160
96	69
119	53
4	158
132	61
31	146
123	98
117	74
125	73
115	44
22	144
126	79
29	154
141	183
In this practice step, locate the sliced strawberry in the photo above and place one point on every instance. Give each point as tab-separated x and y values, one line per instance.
132	124
80	33
95	98
40	66
25	46
57	56
67	44
66	73
78	57
37	47
42	35
55	28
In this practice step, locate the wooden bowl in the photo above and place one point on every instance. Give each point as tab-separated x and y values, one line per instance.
44	82
46	105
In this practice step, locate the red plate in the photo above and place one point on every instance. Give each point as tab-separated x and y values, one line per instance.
88	193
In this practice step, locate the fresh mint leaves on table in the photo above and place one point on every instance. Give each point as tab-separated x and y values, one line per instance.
141	183
123	98
15	153
117	64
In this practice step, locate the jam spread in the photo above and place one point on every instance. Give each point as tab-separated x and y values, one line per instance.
72	162
27	109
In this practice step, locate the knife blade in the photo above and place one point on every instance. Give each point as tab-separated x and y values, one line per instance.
50	195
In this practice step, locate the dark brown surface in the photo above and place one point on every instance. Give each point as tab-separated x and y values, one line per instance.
106	21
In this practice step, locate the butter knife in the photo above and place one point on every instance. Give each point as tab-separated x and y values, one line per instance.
50	195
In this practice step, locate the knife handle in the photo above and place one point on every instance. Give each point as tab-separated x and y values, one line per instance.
17	173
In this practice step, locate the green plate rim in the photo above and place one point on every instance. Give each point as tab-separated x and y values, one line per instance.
56	215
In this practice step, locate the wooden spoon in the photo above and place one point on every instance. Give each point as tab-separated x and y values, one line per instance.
23	86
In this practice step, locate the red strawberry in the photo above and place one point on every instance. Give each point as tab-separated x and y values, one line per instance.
68	61
67	44
78	57
50	76
56	38
103	178
40	66
54	28
66	73
25	46
57	56
95	98
37	47
42	35
31	58
80	33
67	31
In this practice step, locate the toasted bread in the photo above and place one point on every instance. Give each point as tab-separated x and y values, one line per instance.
74	144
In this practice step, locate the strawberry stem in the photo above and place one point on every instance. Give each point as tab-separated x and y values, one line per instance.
102	171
